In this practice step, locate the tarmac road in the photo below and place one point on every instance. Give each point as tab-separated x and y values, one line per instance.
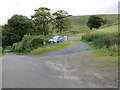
71	67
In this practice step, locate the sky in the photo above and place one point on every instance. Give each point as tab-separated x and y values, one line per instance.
74	7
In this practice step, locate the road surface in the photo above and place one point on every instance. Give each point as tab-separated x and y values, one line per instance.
71	67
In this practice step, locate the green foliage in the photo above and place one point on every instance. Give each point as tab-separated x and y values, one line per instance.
102	39
27	44
78	23
33	45
95	21
15	29
1	49
111	19
60	22
2	52
49	48
106	39
8	48
41	18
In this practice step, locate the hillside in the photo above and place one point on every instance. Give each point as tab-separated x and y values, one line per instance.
79	22
82	20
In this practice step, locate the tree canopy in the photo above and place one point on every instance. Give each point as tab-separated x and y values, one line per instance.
15	29
40	23
41	18
60	21
95	21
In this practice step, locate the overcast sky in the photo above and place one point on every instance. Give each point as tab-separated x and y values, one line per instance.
74	7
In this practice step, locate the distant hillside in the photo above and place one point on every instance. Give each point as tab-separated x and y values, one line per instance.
112	19
79	22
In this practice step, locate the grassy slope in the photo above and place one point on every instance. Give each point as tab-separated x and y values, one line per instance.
79	22
82	20
107	32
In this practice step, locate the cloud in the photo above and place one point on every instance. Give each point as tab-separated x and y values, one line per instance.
112	9
75	7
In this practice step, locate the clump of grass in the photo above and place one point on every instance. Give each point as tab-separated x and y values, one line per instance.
105	40
27	44
2	52
8	48
49	48
102	39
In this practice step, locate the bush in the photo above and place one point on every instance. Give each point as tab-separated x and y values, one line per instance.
102	40
18	47
107	40
1	49
27	44
17	26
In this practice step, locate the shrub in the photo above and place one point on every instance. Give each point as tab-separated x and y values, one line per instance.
107	42
28	43
18	47
102	40
1	49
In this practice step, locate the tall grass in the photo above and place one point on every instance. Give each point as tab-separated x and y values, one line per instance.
27	44
2	52
49	48
106	39
33	45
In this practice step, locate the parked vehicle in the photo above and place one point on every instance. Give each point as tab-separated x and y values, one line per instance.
56	39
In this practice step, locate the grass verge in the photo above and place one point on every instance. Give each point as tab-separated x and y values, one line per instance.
100	51
103	41
2	52
49	48
46	48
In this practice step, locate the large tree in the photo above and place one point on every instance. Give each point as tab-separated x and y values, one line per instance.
95	21
60	21
41	18
15	29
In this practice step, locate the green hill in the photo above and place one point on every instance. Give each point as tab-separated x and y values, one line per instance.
112	19
79	22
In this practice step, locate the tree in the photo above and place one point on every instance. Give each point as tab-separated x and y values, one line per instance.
15	29
95	21
41	18
60	21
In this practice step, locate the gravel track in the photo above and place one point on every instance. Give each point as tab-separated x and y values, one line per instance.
71	67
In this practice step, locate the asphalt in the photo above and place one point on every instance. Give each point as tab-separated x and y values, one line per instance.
70	67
